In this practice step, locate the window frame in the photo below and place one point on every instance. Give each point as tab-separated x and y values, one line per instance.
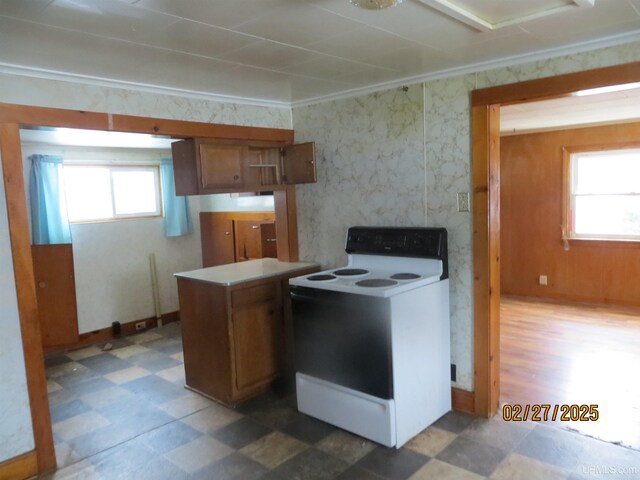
568	198
159	213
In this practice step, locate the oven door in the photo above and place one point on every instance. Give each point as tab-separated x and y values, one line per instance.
343	338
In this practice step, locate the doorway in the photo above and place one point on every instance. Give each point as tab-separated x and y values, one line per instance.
15	117
570	318
486	170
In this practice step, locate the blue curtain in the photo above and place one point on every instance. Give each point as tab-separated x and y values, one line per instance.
49	220
177	214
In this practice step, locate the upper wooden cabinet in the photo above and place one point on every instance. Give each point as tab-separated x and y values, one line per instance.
203	166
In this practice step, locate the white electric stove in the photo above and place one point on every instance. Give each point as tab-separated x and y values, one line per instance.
372	338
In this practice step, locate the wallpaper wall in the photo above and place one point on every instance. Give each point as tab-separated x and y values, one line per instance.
371	171
16	434
376	167
59	94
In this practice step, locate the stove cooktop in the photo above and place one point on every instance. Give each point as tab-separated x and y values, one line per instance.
381	280
350	272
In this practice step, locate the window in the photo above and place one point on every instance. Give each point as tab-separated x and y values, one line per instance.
602	194
105	192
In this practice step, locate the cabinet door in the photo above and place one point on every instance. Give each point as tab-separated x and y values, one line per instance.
216	235
56	292
248	240
221	166
256	333
268	241
299	163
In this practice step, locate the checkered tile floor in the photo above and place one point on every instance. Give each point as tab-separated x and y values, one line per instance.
124	414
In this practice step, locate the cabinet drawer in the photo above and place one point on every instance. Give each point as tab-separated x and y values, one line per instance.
259	293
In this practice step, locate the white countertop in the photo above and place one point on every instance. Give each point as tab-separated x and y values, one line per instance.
235	273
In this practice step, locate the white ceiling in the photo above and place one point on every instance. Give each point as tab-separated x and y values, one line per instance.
72	137
571	111
292	51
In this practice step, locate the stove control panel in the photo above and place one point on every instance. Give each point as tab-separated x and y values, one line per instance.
398	241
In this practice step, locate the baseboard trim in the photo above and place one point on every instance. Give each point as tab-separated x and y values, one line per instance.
106	334
463	400
20	467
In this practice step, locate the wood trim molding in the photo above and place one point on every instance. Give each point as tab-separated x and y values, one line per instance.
104	335
17	217
286	224
462	400
556	86
269	216
486	259
20	467
54	117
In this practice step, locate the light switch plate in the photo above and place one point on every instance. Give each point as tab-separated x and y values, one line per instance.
463	201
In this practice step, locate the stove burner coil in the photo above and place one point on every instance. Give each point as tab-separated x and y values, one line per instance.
376	282
404	276
347	272
321	277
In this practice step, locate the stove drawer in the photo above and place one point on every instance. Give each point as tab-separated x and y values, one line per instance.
362	414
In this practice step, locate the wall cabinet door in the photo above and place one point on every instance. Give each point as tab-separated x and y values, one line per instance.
299	163
256	334
221	166
216	235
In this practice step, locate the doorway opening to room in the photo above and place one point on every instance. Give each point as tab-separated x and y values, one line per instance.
569	243
14	122
109	318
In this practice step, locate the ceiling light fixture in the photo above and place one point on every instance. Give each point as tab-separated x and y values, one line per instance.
375	4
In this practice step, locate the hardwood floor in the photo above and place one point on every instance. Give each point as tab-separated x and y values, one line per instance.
554	353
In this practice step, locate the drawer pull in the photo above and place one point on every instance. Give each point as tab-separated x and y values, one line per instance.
255	227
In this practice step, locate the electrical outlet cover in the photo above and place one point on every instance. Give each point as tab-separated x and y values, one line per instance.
463	201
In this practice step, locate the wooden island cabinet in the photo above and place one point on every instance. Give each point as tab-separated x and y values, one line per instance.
234	326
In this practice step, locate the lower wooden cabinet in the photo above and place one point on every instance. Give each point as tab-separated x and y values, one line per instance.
256	320
229	237
254	239
234	337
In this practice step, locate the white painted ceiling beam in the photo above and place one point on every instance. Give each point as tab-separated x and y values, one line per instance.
468	18
460	14
584	3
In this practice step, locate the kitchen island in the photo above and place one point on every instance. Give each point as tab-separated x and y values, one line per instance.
235	322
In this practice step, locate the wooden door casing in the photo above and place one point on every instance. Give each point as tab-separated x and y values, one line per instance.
56	292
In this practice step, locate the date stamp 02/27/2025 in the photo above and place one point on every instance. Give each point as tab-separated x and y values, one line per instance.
545	412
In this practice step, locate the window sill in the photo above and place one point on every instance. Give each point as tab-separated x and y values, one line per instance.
604	243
